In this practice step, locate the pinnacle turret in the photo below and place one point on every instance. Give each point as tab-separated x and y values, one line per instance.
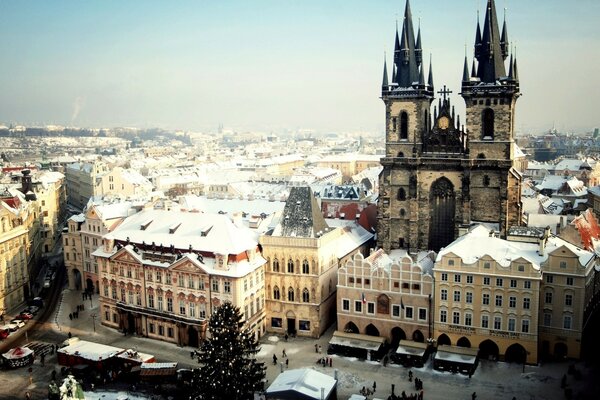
418	49
385	84
430	78
466	75
504	38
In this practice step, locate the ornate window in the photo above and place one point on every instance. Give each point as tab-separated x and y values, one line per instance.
487	123
275	265
403	125
290	294
305	267
305	295
276	294
290	266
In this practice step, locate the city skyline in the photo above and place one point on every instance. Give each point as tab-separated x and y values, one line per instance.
268	65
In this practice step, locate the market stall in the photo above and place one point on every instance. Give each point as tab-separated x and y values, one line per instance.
456	359
357	345
18	357
79	352
411	354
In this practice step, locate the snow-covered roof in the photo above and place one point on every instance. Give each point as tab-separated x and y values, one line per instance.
305	383
213	233
90	350
478	243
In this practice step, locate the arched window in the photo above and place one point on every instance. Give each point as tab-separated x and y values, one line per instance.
487	123
403	125
275	265
401	194
305	295
290	294
305	267
276	294
290	266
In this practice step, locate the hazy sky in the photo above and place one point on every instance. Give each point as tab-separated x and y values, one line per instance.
273	64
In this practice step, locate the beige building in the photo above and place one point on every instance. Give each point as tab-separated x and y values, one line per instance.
507	297
125	182
50	190
84	236
386	295
303	256
82	182
19	247
162	274
350	164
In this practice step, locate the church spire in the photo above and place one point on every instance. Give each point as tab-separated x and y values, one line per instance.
418	49
477	38
515	74
473	70
407	67
504	38
430	78
384	84
466	75
490	58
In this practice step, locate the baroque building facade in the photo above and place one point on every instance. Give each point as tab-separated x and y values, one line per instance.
163	273
439	176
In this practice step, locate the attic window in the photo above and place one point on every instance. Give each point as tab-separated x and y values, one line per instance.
145	225
173	228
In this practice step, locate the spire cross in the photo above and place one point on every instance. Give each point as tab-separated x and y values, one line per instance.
445	91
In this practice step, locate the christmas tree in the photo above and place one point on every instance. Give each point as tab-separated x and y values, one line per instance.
229	368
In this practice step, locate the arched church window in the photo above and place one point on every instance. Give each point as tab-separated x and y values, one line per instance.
394	125
290	294
401	194
276	294
290	266
404	125
275	265
400	154
486	180
488	123
305	295
305	267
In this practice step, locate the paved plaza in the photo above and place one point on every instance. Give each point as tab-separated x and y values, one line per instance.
492	380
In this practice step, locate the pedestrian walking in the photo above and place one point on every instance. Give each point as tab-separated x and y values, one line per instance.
43	359
287	362
286	337
83	296
320	349
474	396
331	361
374	386
316	348
410	375
53	374
70	336
71	316
283	354
274	359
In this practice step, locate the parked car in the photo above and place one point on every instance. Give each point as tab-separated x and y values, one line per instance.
47	283
19	322
32	309
4	333
24	316
37	301
10	327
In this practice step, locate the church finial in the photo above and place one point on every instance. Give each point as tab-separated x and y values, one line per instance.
418	49
515	73
504	38
385	84
430	78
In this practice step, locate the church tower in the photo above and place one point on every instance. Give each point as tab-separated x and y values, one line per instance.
438	176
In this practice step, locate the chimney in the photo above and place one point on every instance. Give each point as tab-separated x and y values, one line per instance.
26	186
543	239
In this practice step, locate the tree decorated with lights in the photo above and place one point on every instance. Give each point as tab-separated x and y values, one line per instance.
229	368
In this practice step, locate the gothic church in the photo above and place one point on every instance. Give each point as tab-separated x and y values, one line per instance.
440	176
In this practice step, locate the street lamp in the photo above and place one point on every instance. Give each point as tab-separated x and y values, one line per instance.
94	321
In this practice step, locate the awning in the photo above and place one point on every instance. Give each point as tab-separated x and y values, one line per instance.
158	369
410	348
357	341
462	355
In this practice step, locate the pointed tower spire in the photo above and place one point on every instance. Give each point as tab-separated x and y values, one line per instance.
504	39
430	78
421	76
473	70
406	63
418	49
384	84
491	61
478	38
466	75
515	72
510	67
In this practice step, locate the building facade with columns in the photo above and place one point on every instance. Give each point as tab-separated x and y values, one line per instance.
163	273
